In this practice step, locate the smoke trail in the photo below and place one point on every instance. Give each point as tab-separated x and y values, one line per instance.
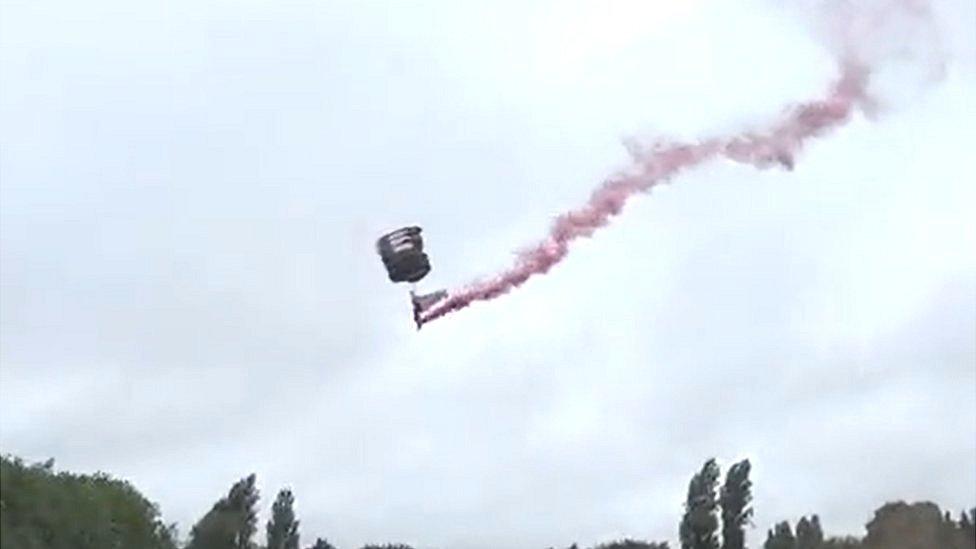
778	145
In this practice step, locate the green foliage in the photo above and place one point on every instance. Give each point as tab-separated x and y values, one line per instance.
632	544
846	542
896	525
809	534
899	525
231	522
699	524
43	509
780	537
964	532
902	525
967	520
734	499
321	544
967	527
283	528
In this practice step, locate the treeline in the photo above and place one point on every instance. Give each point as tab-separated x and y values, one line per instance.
896	525
41	509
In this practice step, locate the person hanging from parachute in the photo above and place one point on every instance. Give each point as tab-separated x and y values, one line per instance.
402	252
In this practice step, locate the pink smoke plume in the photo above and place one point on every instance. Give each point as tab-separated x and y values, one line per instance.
777	145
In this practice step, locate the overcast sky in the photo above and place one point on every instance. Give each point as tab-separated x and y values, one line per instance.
191	192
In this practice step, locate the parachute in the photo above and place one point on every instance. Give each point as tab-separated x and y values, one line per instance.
402	252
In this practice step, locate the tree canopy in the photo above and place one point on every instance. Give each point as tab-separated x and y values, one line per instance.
41	509
699	524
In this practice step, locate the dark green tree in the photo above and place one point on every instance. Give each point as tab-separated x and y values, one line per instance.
243	499
699	523
809	534
321	544
967	520
735	497
628	543
846	542
899	525
967	528
42	509
959	533
231	522
283	527
780	537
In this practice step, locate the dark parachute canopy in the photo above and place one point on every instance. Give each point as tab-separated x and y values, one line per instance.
403	255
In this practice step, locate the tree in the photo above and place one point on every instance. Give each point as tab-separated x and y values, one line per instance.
243	499
780	537
967	528
699	524
42	509
809	534
735	497
959	533
632	544
231	522
967	521
321	544
846	542
283	528
899	525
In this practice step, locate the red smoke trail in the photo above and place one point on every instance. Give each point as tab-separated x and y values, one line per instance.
778	144
859	26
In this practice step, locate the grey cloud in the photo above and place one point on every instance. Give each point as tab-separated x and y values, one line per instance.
189	199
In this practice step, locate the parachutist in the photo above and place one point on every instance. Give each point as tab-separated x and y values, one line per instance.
416	311
402	252
422	303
